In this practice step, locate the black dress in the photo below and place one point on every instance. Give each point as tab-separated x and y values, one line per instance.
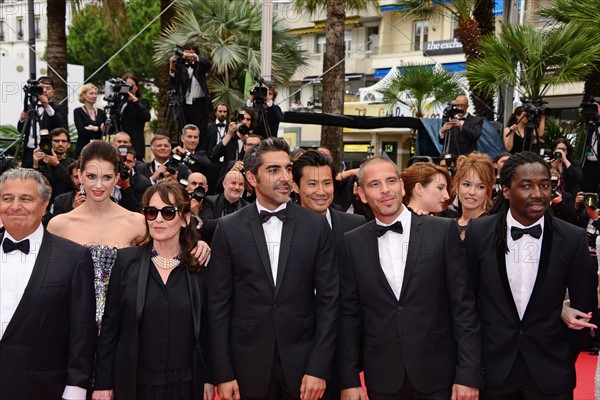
83	119
166	341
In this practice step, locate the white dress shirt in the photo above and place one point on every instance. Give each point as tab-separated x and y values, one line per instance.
393	248
40	114
195	90
15	271
273	229
522	262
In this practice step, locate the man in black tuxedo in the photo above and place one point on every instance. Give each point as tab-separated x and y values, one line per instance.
220	205
216	130
55	167
188	76
156	169
47	327
273	291
403	284
464	130
523	261
50	115
313	174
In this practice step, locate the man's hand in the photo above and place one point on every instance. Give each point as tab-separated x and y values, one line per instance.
23	116
356	393
574	318
51	160
238	166
312	388
229	390
160	170
132	97
43	99
79	199
460	392
195	207
38	155
557	199
202	252
124	183
102	395
592	212
178	150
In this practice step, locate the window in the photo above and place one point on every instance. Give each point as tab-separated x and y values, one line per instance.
453	25
321	43
1	30
421	32
348	40
20	35
372	38
38	31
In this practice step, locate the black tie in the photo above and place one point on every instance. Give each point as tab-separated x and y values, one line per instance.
265	215
534	231
221	125
9	246
381	230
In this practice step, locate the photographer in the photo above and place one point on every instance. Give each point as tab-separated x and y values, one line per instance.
48	114
63	203
570	172
89	121
591	167
188	77
197	185
562	202
464	129
269	113
55	166
516	138
134	114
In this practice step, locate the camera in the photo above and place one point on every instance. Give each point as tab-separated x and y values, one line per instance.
198	194
554	185
173	164
534	107
549	155
590	109
241	128
124	170
45	142
118	91
590	200
260	92
451	111
32	88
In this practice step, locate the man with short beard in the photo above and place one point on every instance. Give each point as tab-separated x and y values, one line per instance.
55	167
274	290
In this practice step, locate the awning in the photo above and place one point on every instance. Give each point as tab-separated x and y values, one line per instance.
455	67
498	6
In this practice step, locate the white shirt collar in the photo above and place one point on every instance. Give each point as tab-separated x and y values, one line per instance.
511	221
35	238
404	218
261	208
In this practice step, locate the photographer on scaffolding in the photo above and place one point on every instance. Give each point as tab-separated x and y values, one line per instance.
41	109
188	76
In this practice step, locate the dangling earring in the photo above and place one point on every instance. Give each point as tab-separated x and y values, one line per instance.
81	189
485	204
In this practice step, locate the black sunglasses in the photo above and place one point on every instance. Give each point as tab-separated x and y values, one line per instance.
167	212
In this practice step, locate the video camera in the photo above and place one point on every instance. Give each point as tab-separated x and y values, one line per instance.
117	91
589	109
260	92
33	89
451	111
534	107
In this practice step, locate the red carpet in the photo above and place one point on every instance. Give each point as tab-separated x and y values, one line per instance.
586	368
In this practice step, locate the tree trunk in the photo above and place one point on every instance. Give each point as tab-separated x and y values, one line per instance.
56	50
164	83
333	80
484	15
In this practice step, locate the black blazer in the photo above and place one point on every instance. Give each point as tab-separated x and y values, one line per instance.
50	340
209	140
341	223
84	136
250	314
542	339
182	171
212	211
133	120
464	141
116	359
430	334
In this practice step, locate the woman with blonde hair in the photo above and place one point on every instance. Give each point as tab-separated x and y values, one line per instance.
89	120
426	187
473	184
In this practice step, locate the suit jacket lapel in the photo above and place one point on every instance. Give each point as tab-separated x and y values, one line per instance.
374	254
33	286
259	238
196	297
542	267
284	245
414	247
143	275
501	262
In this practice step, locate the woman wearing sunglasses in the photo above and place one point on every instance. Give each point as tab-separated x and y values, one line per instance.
99	223
153	343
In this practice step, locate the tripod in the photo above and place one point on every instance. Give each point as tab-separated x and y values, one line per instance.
531	132
31	124
588	149
113	120
173	116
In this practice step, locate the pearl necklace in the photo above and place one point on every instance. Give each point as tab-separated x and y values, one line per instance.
163	262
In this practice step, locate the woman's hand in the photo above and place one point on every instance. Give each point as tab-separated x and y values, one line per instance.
202	253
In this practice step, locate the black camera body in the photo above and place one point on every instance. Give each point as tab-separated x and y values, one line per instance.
187	158
32	88
45	142
548	155
118	91
260	93
124	170
554	185
451	111
590	109
590	200
534	107
198	194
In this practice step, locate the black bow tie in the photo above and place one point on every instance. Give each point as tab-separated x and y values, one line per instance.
9	246
534	231
265	215
381	230
221	125
462	119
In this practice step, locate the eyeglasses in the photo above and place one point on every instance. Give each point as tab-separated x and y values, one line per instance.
167	212
60	141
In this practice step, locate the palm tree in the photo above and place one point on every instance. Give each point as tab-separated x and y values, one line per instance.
229	34
586	15
475	20
547	58
334	67
56	48
420	87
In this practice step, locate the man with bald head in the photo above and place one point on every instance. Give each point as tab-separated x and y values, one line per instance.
463	130
194	181
222	204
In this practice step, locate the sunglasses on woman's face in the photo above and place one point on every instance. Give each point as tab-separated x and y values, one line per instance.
167	212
